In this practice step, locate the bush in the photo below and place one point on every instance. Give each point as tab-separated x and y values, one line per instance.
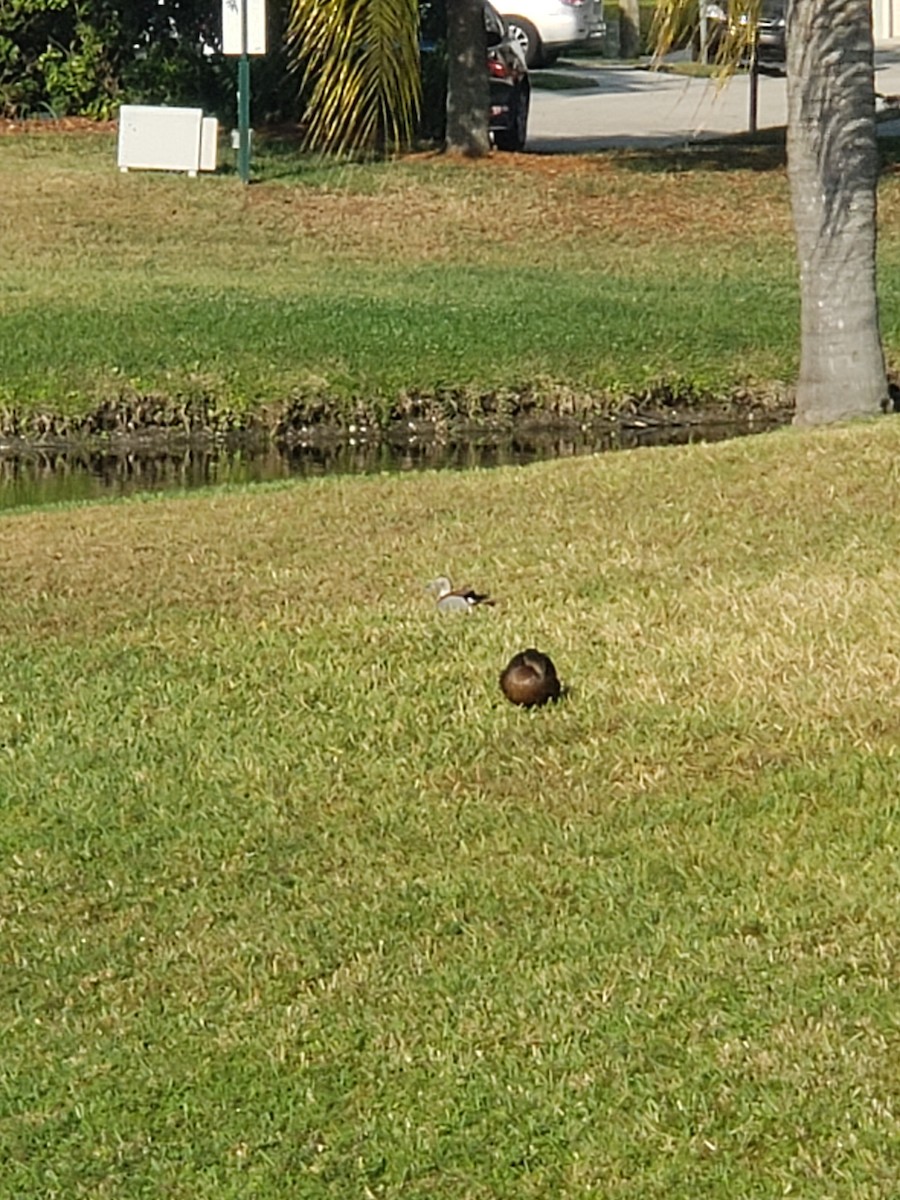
86	58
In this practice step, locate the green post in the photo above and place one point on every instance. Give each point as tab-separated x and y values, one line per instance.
244	118
244	102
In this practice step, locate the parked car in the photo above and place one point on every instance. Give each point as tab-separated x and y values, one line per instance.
545	28
509	85
771	41
771	44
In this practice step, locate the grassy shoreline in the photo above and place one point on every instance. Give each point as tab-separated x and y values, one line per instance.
346	293
147	424
295	904
365	290
418	289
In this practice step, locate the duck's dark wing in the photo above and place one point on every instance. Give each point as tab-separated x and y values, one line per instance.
472	597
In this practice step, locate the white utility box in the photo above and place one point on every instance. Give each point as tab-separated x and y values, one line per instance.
209	144
154	138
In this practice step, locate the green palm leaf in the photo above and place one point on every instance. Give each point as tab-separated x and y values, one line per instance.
674	21
361	58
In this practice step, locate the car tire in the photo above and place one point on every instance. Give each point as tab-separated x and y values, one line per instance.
513	138
526	35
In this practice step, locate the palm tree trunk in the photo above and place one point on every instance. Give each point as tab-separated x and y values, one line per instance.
629	28
833	173
467	80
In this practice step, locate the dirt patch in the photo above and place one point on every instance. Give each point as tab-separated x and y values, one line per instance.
56	125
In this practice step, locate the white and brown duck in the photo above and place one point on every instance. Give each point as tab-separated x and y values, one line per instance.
449	599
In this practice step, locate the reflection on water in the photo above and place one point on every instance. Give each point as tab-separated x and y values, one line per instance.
44	476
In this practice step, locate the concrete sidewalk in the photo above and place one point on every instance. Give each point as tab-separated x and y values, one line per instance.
624	105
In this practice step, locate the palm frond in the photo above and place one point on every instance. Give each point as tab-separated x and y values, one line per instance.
361	58
677	21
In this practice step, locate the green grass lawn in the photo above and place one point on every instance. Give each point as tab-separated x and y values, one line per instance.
358	284
355	286
294	904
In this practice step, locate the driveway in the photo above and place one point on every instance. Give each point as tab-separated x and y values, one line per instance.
624	105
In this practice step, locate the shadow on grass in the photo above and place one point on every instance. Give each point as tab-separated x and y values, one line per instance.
889	154
279	155
763	151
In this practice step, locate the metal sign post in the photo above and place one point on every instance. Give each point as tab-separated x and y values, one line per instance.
754	92
244	102
243	34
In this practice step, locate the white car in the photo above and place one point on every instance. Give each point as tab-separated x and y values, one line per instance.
544	28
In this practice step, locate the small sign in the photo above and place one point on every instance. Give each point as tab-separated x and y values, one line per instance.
233	22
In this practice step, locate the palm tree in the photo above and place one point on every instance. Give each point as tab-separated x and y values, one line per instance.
361	58
832	172
467	81
629	28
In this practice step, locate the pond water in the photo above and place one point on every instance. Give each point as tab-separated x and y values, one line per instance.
46	475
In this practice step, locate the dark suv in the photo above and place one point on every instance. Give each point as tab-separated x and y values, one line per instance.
510	87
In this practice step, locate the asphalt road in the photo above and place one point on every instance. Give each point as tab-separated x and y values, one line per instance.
623	105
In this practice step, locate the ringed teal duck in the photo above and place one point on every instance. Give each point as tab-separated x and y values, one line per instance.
450	599
529	679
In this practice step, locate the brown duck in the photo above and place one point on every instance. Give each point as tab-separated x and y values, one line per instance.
530	679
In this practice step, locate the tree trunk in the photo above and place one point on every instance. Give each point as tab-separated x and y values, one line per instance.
629	29
833	174
467	80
